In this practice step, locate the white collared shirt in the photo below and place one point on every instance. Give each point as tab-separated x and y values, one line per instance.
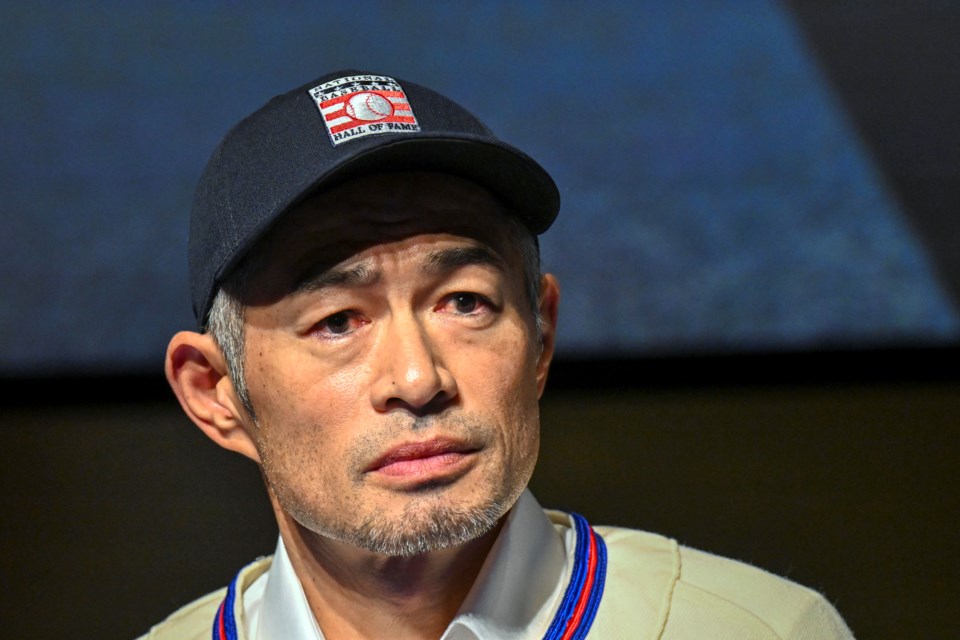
515	595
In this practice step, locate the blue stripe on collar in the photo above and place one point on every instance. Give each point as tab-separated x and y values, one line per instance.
225	624
579	605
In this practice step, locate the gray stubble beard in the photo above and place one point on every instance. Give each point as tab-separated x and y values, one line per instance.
422	528
441	528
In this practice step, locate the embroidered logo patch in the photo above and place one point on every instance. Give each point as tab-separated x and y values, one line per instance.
358	106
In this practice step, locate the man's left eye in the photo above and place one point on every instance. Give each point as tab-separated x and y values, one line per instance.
465	303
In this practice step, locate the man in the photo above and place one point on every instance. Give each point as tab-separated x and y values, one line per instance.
377	336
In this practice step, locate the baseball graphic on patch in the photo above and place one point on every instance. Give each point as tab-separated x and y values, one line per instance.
353	107
369	107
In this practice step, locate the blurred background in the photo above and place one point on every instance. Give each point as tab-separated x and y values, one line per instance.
758	254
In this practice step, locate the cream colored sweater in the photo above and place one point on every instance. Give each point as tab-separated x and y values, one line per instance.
654	589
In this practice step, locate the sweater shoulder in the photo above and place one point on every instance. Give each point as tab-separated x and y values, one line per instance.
675	592
194	621
751	602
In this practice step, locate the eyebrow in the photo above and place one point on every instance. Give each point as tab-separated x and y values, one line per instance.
451	259
437	262
356	276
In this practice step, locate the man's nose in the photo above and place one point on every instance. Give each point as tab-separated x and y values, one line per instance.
411	374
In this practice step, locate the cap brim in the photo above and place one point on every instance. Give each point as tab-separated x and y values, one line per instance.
517	180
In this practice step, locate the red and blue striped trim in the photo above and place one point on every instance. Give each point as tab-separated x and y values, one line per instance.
579	605
574	616
225	623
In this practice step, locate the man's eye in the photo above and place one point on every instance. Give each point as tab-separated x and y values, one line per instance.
466	303
339	323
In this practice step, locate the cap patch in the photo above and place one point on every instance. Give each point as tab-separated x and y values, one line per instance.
356	106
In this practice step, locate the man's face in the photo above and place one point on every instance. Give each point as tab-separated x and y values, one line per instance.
392	363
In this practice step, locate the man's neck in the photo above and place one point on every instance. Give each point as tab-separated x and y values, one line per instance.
355	593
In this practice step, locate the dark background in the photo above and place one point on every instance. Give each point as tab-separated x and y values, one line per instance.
117	513
829	461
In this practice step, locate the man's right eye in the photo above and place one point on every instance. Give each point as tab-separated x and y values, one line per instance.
338	324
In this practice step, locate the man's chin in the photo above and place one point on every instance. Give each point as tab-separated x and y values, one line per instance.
422	528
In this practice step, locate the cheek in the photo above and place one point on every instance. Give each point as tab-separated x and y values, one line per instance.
303	412
295	397
504	375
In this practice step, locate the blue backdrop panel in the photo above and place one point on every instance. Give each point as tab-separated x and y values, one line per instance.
715	197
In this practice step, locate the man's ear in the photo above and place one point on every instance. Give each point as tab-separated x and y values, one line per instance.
548	304
197	372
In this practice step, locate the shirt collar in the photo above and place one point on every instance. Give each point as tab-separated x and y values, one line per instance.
284	612
521	581
515	594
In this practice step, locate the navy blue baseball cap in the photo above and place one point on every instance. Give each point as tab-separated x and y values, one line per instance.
340	126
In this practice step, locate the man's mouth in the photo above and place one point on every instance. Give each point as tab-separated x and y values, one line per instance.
423	459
